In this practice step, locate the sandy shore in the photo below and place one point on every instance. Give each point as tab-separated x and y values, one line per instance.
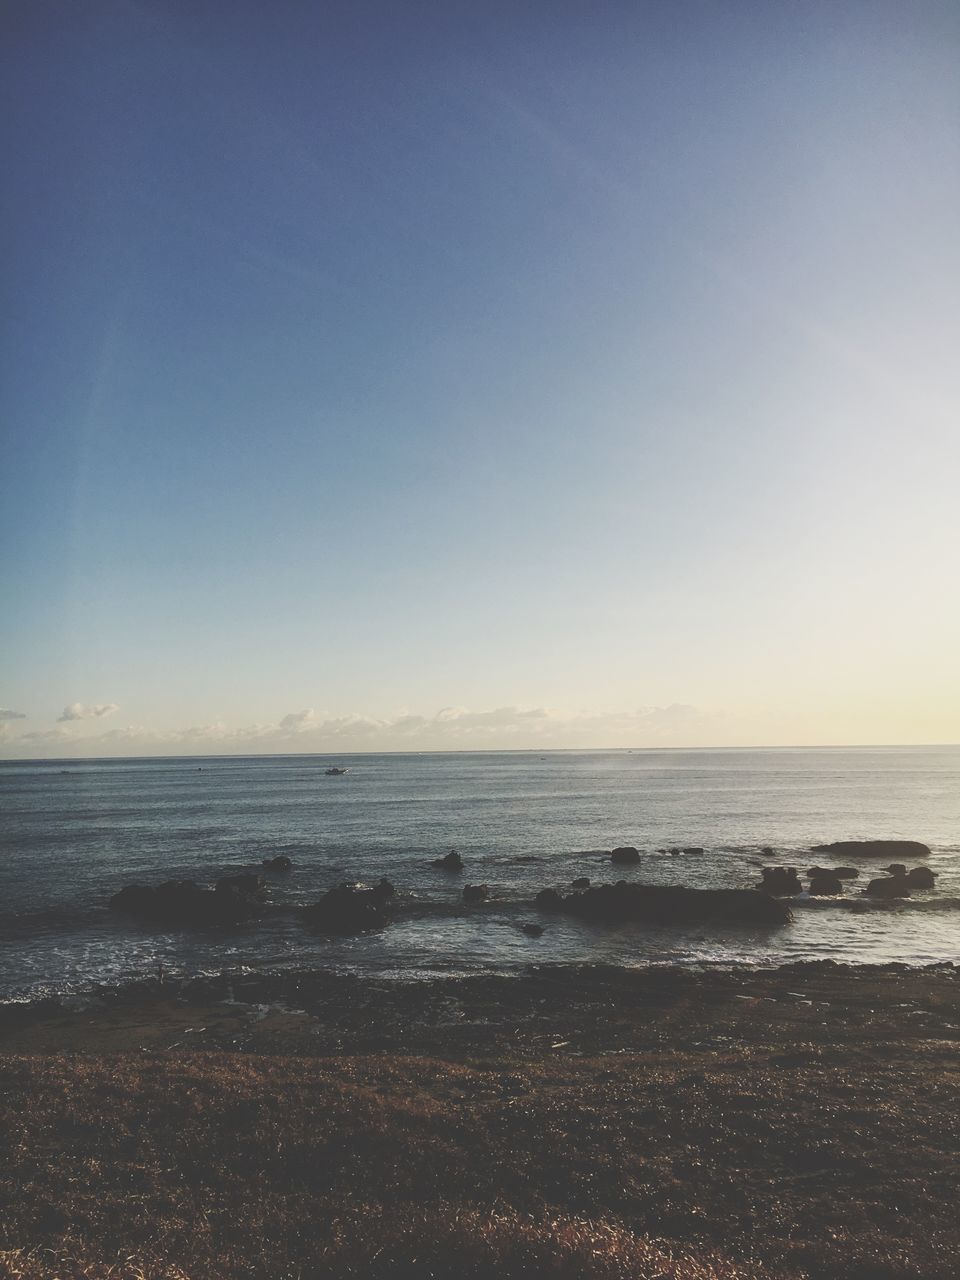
588	1122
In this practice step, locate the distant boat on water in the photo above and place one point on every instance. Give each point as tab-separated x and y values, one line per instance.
334	772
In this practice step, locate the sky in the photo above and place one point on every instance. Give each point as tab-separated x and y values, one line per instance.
416	376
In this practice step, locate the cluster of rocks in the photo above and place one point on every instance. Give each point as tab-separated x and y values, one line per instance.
899	882
352	908
781	882
626	853
785	882
232	900
358	908
829	880
667	904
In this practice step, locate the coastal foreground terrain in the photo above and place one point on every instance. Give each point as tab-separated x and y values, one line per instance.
568	1122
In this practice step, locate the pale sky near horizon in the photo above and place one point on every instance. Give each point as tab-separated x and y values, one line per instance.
383	376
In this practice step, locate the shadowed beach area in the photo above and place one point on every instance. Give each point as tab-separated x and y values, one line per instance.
591	1122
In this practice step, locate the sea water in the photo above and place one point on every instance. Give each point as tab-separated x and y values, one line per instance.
73	832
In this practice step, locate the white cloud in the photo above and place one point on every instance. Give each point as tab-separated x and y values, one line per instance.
450	728
43	735
297	721
498	718
77	711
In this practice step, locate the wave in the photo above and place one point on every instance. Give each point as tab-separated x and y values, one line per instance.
864	904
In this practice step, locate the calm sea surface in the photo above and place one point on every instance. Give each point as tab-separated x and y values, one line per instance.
72	833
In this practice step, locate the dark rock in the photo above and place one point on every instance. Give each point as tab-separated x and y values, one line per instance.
694	849
921	878
452	862
767	851
825	884
534	930
280	863
252	886
384	890
896	869
549	900
581	882
845	873
184	902
889	887
625	853
781	882
349	908
475	892
672	904
874	849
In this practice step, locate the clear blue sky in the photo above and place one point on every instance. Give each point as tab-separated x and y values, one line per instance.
588	370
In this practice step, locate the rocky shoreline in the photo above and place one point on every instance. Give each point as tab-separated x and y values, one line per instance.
349	908
591	1008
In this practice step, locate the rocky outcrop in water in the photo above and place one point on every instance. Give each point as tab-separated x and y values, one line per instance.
781	882
280	863
667	904
921	878
888	887
351	908
825	884
476	892
549	900
894	885
626	853
233	900
452	862
874	849
900	883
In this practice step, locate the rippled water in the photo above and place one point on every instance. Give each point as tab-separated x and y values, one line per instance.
74	832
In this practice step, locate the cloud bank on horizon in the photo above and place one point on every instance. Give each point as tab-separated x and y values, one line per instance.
451	728
77	711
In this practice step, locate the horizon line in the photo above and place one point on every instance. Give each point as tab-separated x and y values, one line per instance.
476	751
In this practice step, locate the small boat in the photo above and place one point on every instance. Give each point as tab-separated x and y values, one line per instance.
334	772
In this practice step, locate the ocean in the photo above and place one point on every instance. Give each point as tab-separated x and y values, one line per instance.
73	832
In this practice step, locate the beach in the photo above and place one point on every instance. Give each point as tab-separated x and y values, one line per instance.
590	1121
254	1024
